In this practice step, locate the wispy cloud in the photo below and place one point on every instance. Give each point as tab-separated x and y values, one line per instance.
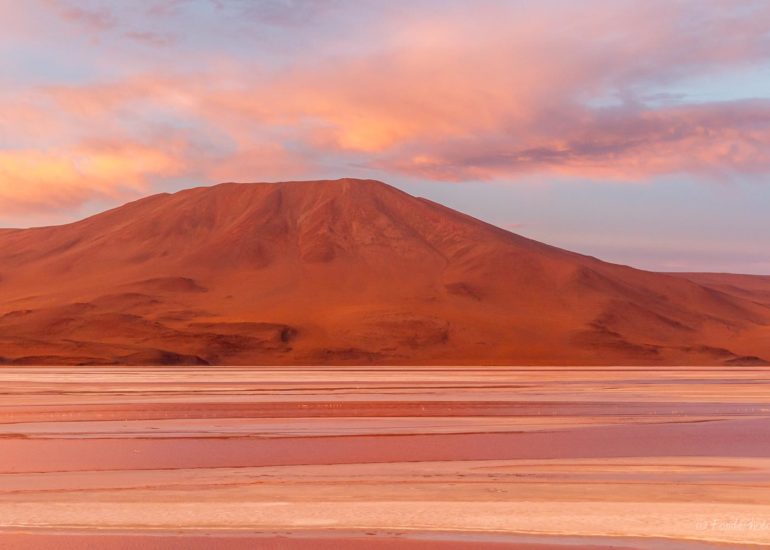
93	19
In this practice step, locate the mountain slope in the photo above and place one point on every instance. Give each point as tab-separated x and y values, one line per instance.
755	288
344	271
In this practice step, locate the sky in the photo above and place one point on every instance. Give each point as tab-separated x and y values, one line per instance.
635	131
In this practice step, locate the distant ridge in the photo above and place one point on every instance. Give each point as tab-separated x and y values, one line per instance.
347	271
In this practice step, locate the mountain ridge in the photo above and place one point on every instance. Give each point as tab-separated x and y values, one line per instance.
343	271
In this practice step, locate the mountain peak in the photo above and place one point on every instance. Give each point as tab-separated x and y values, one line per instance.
325	185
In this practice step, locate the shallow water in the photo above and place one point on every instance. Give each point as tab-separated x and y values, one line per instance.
644	454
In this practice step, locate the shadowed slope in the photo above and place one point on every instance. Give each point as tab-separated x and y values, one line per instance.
337	272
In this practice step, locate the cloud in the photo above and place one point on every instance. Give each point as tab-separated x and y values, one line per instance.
448	91
94	19
449	97
458	98
715	140
36	180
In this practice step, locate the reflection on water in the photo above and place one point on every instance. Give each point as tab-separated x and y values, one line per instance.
623	452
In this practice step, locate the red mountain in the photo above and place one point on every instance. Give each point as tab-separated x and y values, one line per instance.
346	271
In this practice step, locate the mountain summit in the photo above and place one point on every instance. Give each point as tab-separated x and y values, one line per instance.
344	271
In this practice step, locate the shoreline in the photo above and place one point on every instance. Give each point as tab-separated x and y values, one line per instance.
343	538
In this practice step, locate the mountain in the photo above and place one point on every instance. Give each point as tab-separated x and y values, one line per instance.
340	272
750	287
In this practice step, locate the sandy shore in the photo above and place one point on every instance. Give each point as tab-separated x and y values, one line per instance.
445	458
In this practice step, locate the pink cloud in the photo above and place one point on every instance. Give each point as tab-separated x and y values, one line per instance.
512	90
514	100
625	143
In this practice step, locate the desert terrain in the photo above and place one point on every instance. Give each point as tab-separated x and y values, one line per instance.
384	457
348	272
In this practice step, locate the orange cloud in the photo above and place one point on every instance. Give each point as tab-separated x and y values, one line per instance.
31	180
